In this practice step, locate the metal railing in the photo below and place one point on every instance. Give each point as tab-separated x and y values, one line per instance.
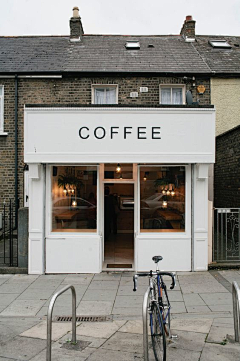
226	235
236	308
49	318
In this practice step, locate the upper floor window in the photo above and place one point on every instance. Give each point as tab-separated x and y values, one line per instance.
172	94
1	109
104	94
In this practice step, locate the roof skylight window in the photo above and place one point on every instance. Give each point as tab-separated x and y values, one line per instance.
132	45
219	44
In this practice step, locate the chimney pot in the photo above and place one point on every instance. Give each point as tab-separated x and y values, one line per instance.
76	12
188	17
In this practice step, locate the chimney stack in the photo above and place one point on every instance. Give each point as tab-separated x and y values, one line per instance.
76	28
188	28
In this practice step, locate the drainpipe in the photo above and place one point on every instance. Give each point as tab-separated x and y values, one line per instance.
192	213
16	150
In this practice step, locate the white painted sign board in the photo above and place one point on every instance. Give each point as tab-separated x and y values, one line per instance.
138	135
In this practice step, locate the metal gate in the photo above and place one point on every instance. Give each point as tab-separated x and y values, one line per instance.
8	236
226	235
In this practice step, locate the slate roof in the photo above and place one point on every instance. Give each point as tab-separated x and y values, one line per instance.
107	53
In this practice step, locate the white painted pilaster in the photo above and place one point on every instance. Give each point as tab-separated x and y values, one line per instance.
36	219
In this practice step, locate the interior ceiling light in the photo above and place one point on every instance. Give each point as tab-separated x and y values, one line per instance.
118	168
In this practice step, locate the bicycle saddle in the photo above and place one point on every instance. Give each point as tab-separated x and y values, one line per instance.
156	259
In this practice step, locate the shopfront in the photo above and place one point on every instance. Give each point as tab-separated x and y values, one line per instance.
111	187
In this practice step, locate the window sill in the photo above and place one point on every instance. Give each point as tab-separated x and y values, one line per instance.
3	134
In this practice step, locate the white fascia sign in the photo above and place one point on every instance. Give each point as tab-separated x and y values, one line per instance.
136	135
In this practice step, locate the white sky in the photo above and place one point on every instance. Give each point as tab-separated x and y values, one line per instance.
51	17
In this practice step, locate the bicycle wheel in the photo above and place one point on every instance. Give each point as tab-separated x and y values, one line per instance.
157	333
166	314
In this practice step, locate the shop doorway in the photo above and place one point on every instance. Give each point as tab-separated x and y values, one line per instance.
118	225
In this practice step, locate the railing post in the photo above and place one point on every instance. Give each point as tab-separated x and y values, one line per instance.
49	318
145	325
236	308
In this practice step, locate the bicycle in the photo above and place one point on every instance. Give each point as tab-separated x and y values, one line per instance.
156	310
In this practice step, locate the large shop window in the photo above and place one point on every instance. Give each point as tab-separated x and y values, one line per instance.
74	199
104	94
162	199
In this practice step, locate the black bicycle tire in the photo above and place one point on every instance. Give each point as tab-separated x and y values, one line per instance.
166	310
158	334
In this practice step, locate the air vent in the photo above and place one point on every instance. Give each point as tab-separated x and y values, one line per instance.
83	318
219	44
132	45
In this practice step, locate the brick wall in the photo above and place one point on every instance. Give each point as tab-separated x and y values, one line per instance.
227	170
70	90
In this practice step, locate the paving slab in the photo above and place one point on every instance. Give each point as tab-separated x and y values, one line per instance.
175	296
83	279
127	311
7	298
186	340
193	299
198	309
59	353
218	308
64	299
11	326
13	288
217	298
135	326
125	301
99	329
95	342
178	307
35	294
203	288
174	354
101	295
110	355
128	291
125	342
220	321
213	352
105	276
59	329
95	308
103	285
192	325
22	348
23	308
57	311
22	278
218	334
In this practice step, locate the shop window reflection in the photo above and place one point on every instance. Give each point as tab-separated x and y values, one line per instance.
74	195
162	199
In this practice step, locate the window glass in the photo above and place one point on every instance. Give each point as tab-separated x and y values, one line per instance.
171	95
118	171
162	199
105	95
74	198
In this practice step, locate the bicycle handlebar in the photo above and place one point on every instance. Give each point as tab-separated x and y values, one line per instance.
151	274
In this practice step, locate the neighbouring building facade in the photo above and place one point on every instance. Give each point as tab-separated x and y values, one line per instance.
111	159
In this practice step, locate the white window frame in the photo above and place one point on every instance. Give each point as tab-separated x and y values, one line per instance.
162	86
103	86
2	111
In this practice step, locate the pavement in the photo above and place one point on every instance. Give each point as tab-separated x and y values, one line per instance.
201	317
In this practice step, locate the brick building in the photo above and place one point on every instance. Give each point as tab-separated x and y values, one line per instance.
48	85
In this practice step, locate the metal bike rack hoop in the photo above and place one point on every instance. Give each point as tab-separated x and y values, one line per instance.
145	325
236	309
49	318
